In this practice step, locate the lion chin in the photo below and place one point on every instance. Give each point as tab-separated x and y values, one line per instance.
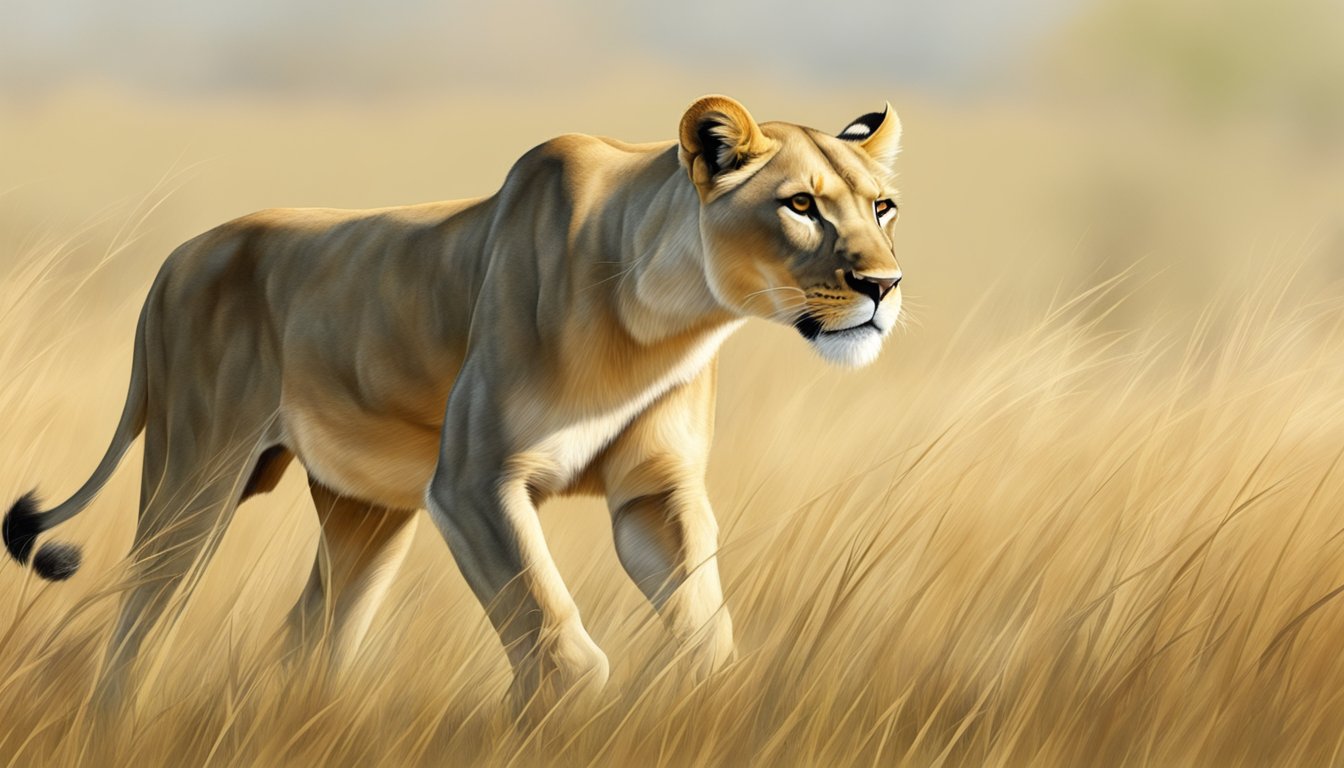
850	348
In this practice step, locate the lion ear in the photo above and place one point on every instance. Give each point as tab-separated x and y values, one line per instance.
718	136
878	134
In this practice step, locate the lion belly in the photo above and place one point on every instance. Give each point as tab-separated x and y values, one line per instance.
379	459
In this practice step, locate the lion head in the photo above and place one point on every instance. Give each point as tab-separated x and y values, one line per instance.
797	224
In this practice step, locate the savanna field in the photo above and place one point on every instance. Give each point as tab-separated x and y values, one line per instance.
1086	509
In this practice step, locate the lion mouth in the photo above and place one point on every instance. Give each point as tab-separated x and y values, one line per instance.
811	328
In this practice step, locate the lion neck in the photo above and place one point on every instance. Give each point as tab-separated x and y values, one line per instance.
663	292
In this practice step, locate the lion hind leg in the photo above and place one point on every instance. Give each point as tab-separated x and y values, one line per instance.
362	547
188	496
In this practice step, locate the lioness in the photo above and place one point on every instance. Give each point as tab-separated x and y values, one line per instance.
477	357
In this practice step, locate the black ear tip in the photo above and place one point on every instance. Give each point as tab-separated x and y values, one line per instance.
57	562
865	126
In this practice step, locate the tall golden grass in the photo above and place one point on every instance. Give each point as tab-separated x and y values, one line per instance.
1095	529
1058	545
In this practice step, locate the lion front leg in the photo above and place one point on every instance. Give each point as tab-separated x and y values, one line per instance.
496	539
667	543
665	531
486	514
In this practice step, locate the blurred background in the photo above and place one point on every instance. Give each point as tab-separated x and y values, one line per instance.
1191	146
1074	136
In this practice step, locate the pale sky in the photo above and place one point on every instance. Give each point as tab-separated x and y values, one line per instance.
333	47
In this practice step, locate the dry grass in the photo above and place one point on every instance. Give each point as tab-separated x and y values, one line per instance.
1069	539
1087	547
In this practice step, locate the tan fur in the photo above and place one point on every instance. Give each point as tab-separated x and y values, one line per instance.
477	357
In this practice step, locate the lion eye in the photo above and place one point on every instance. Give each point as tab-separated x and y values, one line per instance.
883	207
802	203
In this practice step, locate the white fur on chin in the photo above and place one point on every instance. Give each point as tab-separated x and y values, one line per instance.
850	349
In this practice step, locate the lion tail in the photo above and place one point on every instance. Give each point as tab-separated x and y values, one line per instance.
25	520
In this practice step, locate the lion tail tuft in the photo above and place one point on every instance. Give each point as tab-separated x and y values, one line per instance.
22	525
25	521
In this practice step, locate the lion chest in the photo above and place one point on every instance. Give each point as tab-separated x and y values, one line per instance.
557	444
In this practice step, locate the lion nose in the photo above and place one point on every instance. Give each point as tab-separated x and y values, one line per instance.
875	288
